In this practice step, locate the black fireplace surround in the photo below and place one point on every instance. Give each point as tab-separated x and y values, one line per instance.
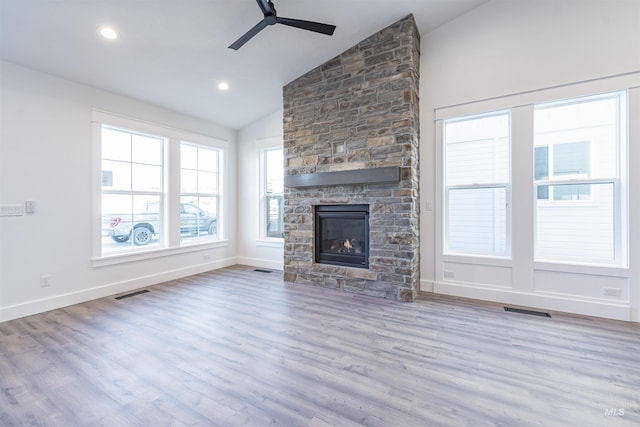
342	235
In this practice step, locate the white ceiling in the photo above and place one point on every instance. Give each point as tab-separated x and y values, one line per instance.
173	53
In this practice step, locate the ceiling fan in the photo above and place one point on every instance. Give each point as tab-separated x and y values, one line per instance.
270	18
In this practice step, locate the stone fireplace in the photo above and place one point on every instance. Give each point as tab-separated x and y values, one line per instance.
351	134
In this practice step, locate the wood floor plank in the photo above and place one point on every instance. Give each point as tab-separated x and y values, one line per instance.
236	347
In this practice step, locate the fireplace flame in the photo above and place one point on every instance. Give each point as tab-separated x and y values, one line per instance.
347	244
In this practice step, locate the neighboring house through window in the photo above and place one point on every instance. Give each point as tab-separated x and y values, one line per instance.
565	161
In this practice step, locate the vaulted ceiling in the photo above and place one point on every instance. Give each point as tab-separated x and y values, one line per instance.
173	53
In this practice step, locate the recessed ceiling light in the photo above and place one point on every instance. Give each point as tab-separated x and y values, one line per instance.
108	33
223	86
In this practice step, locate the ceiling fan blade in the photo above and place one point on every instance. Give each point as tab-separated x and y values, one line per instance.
248	35
266	7
308	25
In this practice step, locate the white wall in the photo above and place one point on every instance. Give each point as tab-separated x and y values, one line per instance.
506	47
252	249
45	156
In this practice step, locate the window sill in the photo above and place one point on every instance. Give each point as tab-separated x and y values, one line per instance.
582	268
122	258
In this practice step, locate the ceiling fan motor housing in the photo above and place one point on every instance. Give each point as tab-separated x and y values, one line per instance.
271	18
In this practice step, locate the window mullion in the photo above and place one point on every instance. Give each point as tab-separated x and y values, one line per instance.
172	193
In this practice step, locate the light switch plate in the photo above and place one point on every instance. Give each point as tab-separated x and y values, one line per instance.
30	207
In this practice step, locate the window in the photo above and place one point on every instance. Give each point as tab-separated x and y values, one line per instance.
156	190
477	175
569	190
199	185
132	178
273	193
577	171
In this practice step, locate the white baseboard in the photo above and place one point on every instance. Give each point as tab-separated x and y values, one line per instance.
551	302
59	301
596	308
262	263
426	285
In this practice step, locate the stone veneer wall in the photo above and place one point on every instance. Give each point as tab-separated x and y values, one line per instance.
359	110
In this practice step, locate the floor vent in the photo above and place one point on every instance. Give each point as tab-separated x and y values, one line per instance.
530	312
259	270
132	294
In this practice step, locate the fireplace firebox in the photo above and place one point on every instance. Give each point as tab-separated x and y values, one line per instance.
342	235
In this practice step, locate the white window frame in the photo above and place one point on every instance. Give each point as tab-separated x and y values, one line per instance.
264	194
447	190
263	145
218	195
170	199
620	233
133	192
522	129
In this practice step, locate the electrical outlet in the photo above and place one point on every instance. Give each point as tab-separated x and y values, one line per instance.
45	281
339	148
612	292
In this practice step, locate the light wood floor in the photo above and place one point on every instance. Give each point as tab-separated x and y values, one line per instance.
235	347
